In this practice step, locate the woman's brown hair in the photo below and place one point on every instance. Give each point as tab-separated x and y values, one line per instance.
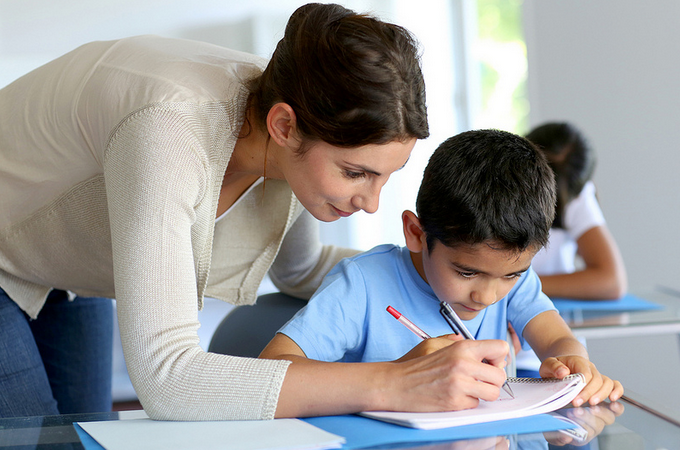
351	79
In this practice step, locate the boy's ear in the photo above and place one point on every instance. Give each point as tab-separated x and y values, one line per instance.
413	233
282	125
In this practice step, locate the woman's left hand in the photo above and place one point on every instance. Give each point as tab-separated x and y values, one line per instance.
430	346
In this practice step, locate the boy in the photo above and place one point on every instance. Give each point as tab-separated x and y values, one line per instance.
484	208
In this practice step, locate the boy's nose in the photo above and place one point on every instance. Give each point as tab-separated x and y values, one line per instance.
485	296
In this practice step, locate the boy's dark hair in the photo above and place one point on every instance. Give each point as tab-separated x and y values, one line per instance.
487	186
569	156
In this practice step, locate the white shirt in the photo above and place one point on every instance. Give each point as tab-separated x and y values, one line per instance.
580	215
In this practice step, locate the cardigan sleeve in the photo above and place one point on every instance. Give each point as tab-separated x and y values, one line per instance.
157	178
302	261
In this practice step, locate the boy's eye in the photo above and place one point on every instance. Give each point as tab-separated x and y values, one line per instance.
467	274
351	174
513	276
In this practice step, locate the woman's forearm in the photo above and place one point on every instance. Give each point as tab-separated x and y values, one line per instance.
452	378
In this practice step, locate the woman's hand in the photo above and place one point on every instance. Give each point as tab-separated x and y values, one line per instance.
450	378
598	386
430	346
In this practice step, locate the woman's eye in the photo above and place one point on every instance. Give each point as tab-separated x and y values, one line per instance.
351	174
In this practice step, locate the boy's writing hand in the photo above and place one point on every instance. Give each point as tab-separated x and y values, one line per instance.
598	386
430	346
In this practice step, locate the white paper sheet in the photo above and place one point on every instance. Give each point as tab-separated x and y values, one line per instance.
145	434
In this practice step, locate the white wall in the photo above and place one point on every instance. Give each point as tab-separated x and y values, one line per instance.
611	67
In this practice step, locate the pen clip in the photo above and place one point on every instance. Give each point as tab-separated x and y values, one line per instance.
445	313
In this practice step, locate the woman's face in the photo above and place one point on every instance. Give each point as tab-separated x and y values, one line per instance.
333	182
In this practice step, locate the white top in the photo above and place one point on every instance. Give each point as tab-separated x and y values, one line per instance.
580	215
111	162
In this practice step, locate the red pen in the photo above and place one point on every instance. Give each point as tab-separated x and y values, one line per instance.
410	325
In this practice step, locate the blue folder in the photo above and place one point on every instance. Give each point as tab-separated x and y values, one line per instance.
628	302
361	432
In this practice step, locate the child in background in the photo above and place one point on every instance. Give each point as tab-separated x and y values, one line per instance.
485	207
579	226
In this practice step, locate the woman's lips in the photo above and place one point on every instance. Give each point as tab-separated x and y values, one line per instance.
341	213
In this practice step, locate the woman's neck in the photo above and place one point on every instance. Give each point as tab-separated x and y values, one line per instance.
250	151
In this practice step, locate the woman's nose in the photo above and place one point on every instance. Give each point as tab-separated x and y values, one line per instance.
369	200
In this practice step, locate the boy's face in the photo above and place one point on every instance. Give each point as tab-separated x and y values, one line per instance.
472	277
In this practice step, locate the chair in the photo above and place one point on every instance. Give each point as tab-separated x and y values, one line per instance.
247	329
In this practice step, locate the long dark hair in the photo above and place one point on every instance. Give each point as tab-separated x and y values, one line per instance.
569	156
351	79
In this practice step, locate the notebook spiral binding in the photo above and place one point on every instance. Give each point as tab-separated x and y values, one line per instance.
541	380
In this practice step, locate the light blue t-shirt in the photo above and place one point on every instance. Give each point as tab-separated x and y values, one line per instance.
347	319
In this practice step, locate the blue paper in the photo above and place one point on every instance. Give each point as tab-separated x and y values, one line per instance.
626	303
361	432
88	442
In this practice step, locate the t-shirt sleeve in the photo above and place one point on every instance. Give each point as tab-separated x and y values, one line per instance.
332	323
583	213
525	301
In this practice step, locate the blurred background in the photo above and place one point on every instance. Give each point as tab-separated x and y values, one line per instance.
609	66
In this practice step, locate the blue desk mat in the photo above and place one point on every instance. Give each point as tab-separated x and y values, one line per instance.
628	302
88	441
361	432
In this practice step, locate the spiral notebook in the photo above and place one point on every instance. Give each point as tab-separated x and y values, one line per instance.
532	396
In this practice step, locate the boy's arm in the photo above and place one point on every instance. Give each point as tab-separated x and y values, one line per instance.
281	347
561	354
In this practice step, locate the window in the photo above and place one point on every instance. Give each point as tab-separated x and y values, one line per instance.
502	57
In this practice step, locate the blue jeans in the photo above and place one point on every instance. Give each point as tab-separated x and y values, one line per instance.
59	362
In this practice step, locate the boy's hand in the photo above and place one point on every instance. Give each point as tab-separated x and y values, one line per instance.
430	346
598	386
593	419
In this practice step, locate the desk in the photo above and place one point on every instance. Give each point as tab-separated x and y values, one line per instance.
635	429
589	323
639	348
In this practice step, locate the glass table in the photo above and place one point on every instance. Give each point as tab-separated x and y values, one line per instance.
590	322
621	426
640	348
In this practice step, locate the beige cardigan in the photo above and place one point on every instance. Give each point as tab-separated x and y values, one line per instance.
111	163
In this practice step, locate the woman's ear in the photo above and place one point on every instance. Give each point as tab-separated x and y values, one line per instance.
282	125
413	232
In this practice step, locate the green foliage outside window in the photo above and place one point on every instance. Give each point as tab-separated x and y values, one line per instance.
501	51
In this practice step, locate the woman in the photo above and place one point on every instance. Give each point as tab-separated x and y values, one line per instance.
115	162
